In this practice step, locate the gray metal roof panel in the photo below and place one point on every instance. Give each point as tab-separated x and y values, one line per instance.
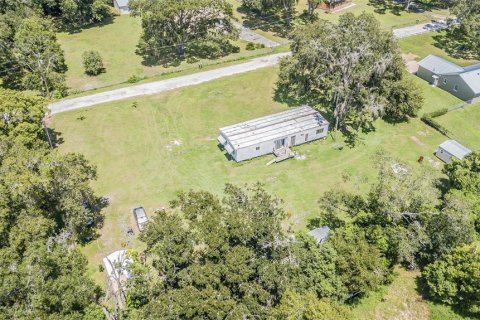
439	65
273	126
122	3
472	79
456	149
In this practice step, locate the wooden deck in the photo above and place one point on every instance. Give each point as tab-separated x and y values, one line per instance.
281	154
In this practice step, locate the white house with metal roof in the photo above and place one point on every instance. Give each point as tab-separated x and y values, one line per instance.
462	82
265	135
121	6
451	148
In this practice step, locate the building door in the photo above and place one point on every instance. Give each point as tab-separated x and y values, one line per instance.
306	137
279	143
292	141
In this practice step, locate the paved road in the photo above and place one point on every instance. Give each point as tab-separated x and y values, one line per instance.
165	85
200	77
248	35
420	28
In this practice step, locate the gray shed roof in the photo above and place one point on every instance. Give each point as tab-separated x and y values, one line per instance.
122	3
455	149
320	234
272	127
439	65
472	79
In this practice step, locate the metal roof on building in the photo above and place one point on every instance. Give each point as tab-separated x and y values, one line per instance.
122	3
320	234
455	149
439	65
272	127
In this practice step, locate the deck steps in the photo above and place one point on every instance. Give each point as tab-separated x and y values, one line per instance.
281	154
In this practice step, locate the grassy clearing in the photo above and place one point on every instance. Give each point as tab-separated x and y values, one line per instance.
400	300
425	44
435	98
464	125
117	42
139	162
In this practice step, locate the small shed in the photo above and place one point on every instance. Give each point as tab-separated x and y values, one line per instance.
264	135
122	6
320	234
451	148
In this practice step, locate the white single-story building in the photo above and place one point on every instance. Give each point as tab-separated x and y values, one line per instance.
264	135
451	148
122	6
141	217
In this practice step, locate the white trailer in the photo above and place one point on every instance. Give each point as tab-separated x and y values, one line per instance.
264	135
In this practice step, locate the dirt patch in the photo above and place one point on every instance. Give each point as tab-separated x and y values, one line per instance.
410	62
417	141
435	163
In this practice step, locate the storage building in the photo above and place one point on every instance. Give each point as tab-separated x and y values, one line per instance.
121	6
451	148
265	135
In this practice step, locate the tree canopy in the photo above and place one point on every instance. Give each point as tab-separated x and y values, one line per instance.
194	27
43	214
352	69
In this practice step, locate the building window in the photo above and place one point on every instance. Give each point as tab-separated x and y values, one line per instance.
445	81
455	88
320	131
257	148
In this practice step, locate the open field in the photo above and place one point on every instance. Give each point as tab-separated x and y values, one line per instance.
464	125
165	143
117	42
425	44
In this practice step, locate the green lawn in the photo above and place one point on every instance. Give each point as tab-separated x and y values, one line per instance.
464	125
116	42
425	44
140	164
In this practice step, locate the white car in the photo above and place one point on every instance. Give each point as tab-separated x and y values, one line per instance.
141	217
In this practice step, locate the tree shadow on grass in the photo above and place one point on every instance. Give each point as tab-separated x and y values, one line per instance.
387	6
81	28
169	57
422	289
452	43
270	22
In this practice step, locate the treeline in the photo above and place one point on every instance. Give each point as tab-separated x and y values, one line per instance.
30	56
46	208
230	257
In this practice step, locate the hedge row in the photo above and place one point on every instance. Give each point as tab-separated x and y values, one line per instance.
428	119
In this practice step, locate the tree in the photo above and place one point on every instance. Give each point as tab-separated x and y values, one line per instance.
467	33
15	107
184	24
464	174
351	66
295	306
287	7
10	71
455	279
76	13
43	214
92	62
36	49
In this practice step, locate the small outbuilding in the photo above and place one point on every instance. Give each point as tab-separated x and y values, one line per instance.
122	6
320	234
268	134
451	148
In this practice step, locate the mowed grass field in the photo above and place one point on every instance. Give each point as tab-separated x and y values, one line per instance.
425	44
464	125
117	42
147	149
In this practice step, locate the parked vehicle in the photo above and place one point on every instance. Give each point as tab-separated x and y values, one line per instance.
140	217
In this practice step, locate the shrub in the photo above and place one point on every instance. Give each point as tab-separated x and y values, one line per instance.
92	62
250	46
434	124
259	46
438	113
134	79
